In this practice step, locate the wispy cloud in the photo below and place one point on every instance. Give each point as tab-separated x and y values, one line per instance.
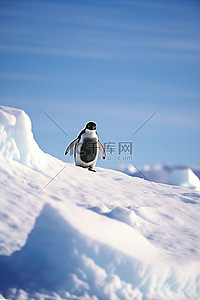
173	116
177	50
22	76
10	13
181	44
54	51
100	31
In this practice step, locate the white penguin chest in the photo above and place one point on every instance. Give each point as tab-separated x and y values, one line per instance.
89	134
88	146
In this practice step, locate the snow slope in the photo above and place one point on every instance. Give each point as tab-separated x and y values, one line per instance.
86	235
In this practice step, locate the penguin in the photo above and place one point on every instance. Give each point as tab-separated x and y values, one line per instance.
86	147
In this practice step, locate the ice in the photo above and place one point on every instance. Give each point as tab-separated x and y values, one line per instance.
184	177
102	235
174	175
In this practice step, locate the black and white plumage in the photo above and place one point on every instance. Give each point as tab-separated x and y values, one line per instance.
86	147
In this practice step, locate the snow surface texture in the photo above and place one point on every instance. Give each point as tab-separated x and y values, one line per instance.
88	235
180	175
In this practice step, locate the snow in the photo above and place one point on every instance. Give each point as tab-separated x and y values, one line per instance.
185	177
180	175
103	235
17	142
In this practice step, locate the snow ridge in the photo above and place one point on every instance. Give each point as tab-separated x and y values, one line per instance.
16	139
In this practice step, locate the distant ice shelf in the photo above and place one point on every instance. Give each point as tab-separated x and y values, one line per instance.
184	175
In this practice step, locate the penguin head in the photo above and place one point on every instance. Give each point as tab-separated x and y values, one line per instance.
91	126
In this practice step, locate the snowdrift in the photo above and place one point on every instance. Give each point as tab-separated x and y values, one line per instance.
16	139
88	235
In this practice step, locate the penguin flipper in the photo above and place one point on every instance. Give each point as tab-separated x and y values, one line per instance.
102	150
71	145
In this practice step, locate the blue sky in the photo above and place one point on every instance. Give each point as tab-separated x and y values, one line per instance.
113	62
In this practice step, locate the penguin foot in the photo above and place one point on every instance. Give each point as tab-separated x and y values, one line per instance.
90	169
